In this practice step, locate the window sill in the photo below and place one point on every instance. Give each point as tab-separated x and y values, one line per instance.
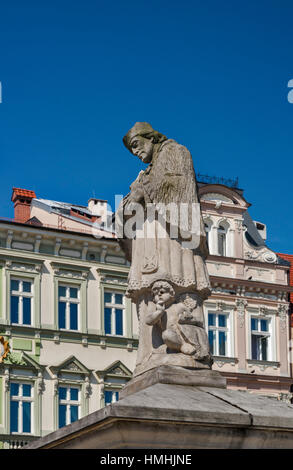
221	361
69	331
257	362
111	335
226	358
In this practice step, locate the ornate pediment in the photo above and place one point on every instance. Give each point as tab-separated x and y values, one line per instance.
72	271
22	359
115	280
219	194
263	255
216	197
26	266
71	365
111	276
117	369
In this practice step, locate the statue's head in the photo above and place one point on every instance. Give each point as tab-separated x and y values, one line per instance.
140	140
163	292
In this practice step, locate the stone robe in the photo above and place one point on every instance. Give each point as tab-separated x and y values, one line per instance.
169	178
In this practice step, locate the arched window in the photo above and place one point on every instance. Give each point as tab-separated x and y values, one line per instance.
222	241
207	231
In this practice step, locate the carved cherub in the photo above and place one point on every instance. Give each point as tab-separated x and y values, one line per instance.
180	320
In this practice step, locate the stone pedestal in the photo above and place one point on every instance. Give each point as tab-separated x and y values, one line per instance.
176	376
170	416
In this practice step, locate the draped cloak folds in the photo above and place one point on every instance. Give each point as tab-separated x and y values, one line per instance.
169	178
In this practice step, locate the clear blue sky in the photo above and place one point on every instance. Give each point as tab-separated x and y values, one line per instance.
213	75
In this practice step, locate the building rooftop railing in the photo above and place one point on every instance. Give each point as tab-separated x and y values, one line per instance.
231	182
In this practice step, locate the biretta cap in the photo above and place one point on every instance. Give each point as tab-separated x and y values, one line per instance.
139	128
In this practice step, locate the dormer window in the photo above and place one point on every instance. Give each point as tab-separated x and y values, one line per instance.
222	241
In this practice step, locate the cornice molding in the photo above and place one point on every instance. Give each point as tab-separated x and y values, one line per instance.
250	284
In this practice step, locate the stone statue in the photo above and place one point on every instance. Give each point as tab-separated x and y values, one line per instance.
168	279
181	323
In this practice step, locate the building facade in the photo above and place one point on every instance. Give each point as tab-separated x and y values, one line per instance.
289	259
247	314
69	335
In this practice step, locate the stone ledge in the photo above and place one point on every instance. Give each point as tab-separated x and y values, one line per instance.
179	416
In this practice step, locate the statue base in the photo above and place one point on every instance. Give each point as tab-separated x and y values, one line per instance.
168	416
174	375
178	360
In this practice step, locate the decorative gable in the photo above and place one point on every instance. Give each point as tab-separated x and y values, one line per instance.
72	366
24	360
115	370
215	194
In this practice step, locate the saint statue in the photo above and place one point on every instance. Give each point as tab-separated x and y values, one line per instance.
168	279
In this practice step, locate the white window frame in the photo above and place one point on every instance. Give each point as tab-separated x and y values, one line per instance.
21	399
113	307
69	300
207	229
67	402
228	329
271	351
20	294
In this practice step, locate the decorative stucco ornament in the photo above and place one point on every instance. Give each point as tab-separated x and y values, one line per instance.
168	279
269	257
4	349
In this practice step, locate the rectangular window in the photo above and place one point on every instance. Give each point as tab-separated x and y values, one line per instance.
114	313
260	338
21	400
111	397
222	244
207	231
69	307
218	333
69	405
21	301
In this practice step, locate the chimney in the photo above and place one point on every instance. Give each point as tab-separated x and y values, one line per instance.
98	207
22	199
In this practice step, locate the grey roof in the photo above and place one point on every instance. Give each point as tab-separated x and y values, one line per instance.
252	233
64	208
253	237
282	261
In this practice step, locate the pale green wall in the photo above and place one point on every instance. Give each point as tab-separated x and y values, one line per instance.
22	344
1	291
1	400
